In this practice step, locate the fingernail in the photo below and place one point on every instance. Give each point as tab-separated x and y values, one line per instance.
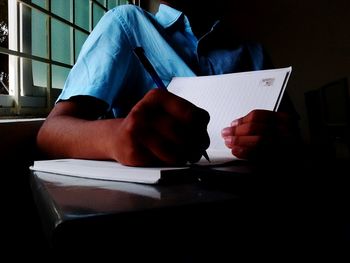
226	132
234	123
228	141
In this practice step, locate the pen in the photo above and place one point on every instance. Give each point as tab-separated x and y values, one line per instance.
140	53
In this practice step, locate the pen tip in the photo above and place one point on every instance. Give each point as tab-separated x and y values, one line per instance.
206	156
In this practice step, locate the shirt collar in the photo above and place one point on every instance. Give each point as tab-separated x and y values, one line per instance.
168	16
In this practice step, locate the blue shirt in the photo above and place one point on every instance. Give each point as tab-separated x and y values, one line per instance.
108	69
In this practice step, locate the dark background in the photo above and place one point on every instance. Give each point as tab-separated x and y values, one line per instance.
311	36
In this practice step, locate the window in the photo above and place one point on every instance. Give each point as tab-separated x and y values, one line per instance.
40	41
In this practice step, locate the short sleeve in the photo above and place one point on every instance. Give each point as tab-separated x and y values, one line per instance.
102	64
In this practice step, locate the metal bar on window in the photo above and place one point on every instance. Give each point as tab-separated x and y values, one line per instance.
100	5
31	5
49	72
18	65
91	15
73	30
19	54
29	56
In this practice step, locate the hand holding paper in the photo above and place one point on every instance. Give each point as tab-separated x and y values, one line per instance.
258	133
232	96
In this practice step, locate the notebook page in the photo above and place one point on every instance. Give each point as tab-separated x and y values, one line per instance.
230	96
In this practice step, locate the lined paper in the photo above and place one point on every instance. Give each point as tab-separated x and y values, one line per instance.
230	96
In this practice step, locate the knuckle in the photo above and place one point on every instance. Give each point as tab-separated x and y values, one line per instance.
153	94
188	114
196	115
254	115
250	128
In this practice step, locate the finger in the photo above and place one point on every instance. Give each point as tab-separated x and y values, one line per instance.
135	154
142	145
165	150
240	152
185	141
243	146
169	128
173	130
242	141
228	131
179	108
248	129
160	138
264	116
178	149
131	149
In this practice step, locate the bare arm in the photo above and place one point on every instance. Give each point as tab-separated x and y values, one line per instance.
161	128
72	130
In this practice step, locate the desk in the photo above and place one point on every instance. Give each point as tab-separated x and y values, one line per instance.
194	220
84	213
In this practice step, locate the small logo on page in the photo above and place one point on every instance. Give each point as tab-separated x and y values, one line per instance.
267	82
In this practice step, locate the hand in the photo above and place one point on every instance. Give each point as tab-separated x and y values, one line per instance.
261	134
162	128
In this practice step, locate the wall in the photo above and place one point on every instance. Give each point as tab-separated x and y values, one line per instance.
312	36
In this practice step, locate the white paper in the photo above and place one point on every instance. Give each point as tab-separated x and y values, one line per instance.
103	170
230	96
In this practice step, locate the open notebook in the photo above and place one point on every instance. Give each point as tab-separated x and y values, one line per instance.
226	97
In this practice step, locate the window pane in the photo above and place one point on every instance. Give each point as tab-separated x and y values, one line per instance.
61	42
62	8
4	74
3	24
81	8
79	41
59	75
41	3
39	34
39	73
119	2
102	2
98	13
4	61
112	3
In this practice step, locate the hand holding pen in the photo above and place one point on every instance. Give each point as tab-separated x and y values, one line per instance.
157	80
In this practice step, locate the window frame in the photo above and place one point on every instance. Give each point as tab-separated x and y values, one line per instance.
20	73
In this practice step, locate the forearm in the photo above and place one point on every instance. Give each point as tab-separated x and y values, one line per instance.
71	137
160	128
